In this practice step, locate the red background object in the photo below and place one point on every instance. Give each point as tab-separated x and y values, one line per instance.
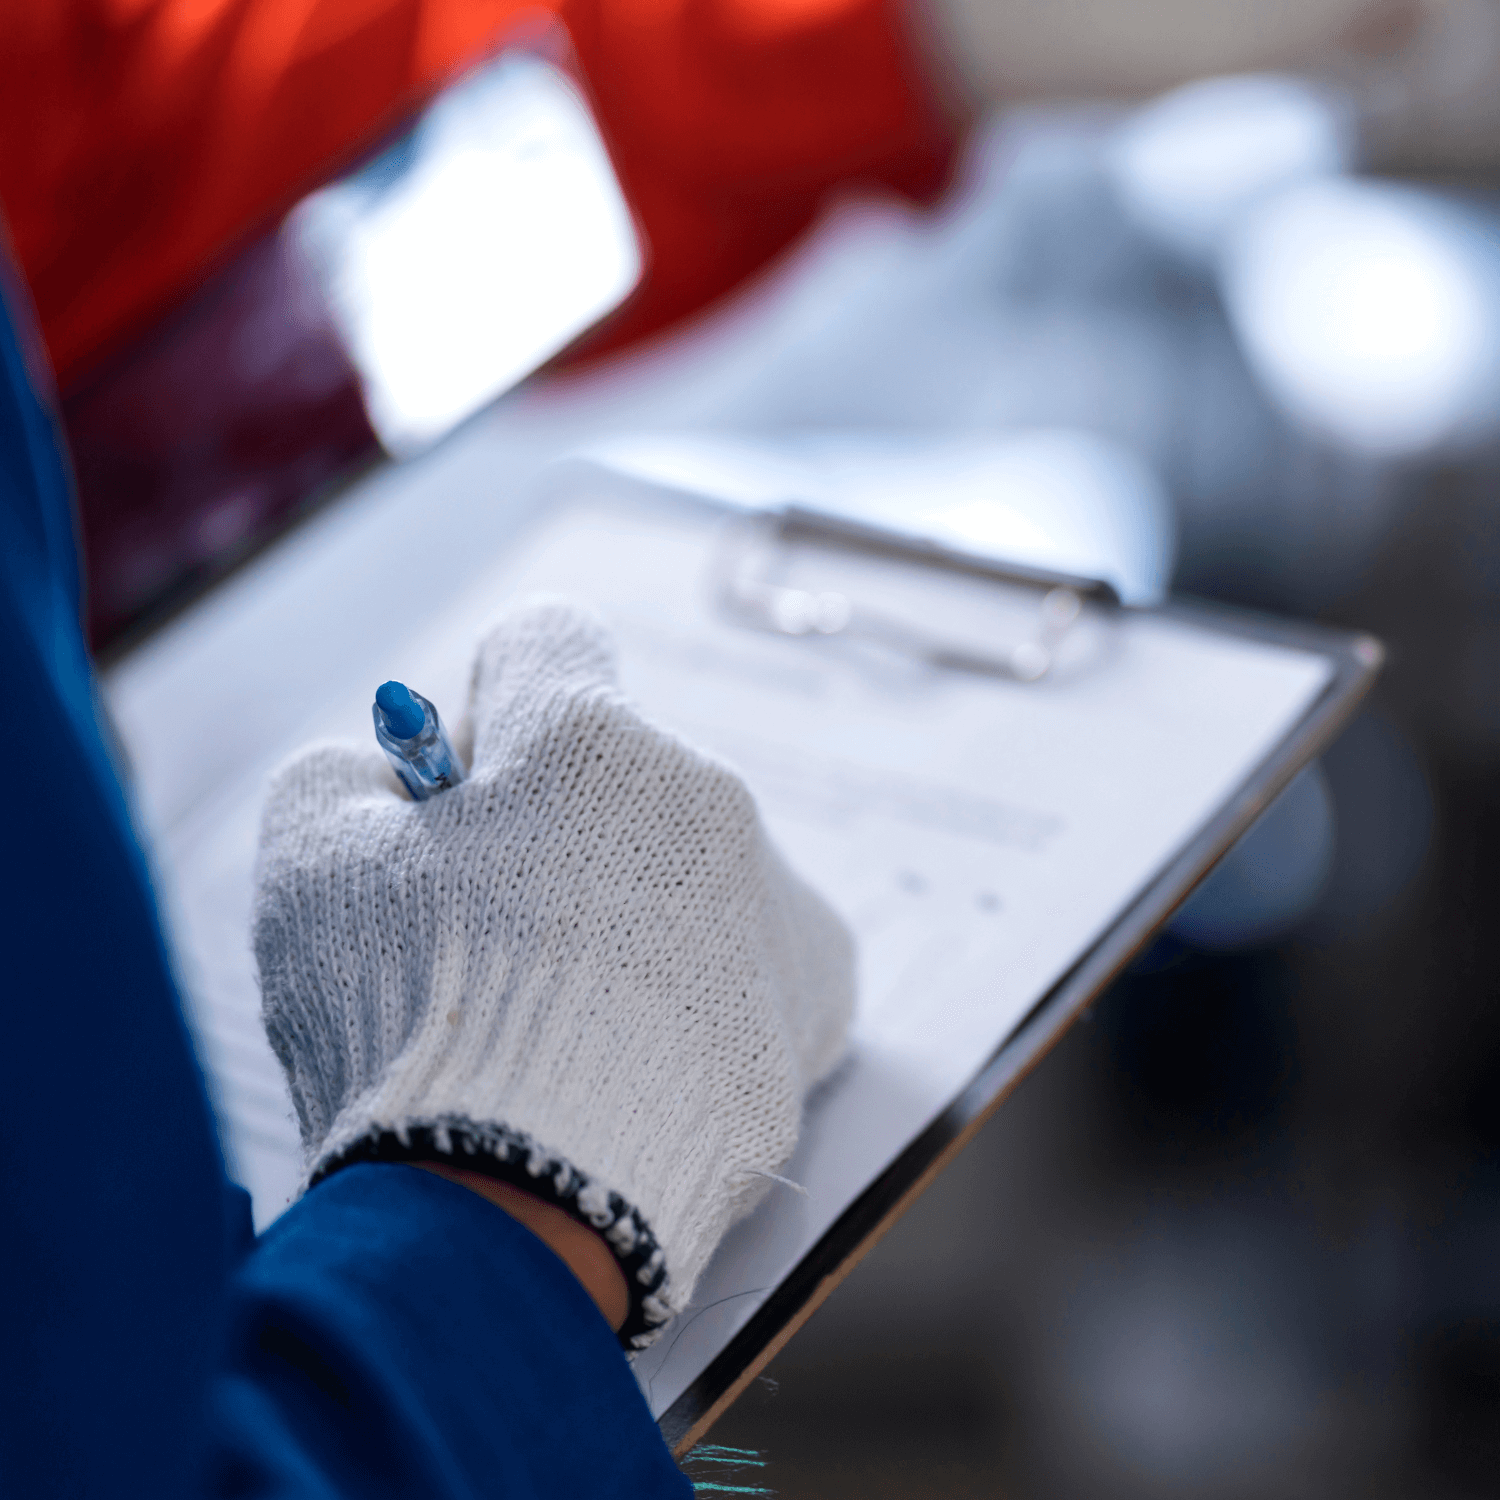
153	146
147	140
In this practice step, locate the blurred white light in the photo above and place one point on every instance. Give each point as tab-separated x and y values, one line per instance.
1372	314
493	236
1187	165
1071	501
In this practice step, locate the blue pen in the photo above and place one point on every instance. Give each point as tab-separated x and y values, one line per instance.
414	740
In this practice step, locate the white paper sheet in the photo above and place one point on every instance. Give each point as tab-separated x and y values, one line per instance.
977	834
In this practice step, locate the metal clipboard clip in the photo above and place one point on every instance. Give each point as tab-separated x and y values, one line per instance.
762	582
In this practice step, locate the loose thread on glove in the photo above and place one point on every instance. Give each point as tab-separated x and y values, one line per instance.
796	1187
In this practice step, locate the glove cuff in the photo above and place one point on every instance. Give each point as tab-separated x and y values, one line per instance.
514	1157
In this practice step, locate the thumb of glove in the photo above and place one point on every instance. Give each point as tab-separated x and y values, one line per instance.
322	786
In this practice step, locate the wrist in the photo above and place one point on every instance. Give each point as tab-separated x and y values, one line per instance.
517	1160
580	1248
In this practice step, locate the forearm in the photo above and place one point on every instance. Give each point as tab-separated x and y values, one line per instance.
396	1336
583	1252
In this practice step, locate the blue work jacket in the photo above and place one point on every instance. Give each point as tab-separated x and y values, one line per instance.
391	1335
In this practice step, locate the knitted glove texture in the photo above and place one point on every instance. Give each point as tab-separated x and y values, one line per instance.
585	967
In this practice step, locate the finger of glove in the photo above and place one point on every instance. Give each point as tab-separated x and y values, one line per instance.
320	785
811	952
539	656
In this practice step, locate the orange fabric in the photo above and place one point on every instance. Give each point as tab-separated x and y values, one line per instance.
730	120
144	140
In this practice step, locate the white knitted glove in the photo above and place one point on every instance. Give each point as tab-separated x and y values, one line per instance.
584	969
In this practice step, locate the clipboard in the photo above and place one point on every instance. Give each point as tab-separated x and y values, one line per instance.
881	634
1357	659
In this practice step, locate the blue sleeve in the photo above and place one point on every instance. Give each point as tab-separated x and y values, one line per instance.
401	1336
393	1334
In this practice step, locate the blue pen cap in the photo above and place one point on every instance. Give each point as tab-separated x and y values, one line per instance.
410	731
404	716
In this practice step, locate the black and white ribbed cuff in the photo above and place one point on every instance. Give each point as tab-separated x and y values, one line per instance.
513	1156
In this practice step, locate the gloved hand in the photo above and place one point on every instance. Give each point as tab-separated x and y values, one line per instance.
584	969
